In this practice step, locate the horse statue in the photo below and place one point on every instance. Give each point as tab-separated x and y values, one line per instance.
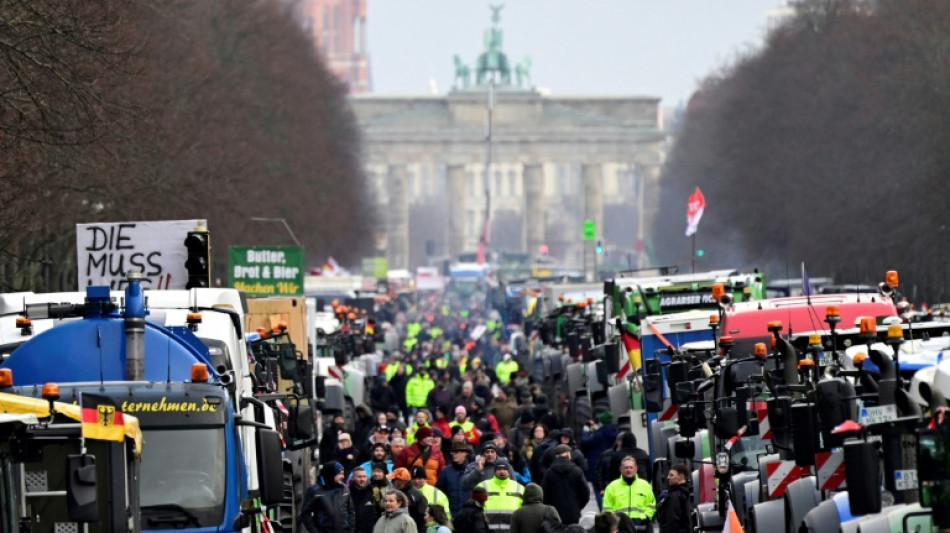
463	74
492	59
523	72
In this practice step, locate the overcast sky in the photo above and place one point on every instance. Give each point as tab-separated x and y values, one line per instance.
603	47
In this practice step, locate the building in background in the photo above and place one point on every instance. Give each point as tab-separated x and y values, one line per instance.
555	162
338	28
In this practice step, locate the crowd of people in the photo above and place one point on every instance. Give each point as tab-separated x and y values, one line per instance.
458	437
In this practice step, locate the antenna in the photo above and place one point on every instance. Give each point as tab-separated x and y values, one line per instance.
101	371
168	360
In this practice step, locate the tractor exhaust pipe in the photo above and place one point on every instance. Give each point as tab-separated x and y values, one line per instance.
134	328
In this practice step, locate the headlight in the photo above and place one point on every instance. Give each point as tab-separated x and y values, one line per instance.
722	462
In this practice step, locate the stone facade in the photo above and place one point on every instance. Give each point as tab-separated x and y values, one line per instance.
555	161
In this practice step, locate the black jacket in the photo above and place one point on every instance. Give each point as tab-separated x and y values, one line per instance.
565	489
364	507
327	510
628	446
471	519
417	506
450	482
673	512
382	398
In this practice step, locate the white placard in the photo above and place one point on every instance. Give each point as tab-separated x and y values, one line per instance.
905	479
878	414
106	252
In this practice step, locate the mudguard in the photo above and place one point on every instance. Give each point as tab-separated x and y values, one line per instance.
766	515
619	396
709	520
739	481
851	526
843	505
879	522
800	497
575	378
822	519
752	491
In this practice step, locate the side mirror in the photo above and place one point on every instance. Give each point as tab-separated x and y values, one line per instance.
863	475
727	423
653	386
676	373
686	418
934	473
301	427
682	391
270	468
804	434
684	449
82	503
612	357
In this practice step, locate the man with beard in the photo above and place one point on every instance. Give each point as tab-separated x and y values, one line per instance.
365	508
402	481
327	507
380	436
673	513
378	455
379	483
483	468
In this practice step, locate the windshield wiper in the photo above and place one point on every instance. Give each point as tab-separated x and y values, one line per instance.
180	517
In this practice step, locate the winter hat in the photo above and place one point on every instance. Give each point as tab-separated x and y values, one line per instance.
329	471
606	417
423	432
419	472
480	494
379	465
526	418
344	436
400	473
502	464
460	409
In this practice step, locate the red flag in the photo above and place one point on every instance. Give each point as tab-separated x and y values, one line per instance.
694	211
101	418
632	345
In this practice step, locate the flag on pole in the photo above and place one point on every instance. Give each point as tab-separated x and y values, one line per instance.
632	345
732	524
101	418
483	242
807	288
694	211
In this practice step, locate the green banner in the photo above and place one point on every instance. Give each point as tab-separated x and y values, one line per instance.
266	270
377	267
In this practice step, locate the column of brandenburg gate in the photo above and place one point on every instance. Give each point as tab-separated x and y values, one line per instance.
556	161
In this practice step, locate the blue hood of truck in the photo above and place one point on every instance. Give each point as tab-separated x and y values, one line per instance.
85	350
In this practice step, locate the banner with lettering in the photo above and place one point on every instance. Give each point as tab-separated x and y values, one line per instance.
266	270
106	252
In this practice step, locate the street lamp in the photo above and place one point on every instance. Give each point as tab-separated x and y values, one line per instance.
282	221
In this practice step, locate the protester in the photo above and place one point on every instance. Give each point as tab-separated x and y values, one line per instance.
471	518
365	507
423	453
437	521
450	479
630	494
432	494
417	504
605	522
472	434
565	487
673	510
482	468
344	453
628	448
504	493
395	518
327	507
329	440
594	443
532	514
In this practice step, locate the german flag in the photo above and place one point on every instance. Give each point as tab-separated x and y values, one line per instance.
101	419
632	345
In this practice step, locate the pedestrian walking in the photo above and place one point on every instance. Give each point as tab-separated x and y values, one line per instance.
395	518
673	509
417	504
327	507
437	521
532	514
565	487
472	519
630	494
365	507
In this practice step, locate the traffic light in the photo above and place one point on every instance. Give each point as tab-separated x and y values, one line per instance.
700	252
198	264
430	247
600	247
